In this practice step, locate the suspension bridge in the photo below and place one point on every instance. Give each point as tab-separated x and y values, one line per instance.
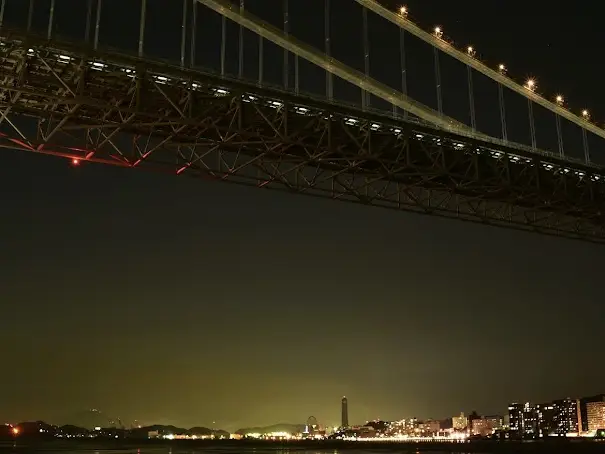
226	94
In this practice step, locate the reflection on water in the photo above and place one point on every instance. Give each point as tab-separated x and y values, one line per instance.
31	449
61	448
14	448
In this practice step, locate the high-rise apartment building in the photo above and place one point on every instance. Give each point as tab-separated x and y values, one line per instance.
344	412
583	410
429	427
515	417
523	419
495	422
547	419
481	426
460	422
566	416
530	420
595	415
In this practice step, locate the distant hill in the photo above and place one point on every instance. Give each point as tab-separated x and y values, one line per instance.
39	429
290	428
164	430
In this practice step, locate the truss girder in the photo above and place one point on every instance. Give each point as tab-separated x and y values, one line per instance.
120	110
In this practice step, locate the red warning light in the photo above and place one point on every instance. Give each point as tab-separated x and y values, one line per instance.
75	162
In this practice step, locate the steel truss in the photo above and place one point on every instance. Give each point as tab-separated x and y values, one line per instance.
67	101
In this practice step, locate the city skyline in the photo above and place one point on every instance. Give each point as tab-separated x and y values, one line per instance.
232	306
565	415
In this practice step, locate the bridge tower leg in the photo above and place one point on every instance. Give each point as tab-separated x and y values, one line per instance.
328	50
2	8
365	96
402	62
142	27
502	112
88	21
532	125
97	24
585	143
184	33
438	80
223	43
286	8
471	97
240	64
30	15
192	48
559	134
51	19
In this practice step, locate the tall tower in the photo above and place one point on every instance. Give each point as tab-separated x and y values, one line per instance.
345	413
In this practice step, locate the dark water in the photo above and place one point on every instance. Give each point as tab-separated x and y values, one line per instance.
326	447
231	449
187	448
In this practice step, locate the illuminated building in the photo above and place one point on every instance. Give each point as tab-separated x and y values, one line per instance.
530	420
583	410
430	427
547	419
523	419
595	415
481	426
460	422
506	422
515	416
495	422
566	416
345	412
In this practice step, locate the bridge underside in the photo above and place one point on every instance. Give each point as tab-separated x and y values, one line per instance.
63	100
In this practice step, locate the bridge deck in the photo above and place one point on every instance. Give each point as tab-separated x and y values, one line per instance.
62	99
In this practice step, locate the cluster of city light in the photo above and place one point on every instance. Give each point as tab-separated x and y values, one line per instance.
186	437
407	438
271	435
530	84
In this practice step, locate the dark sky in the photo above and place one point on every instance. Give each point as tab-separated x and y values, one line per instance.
175	300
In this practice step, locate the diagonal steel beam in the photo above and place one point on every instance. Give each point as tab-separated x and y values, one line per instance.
447	48
244	18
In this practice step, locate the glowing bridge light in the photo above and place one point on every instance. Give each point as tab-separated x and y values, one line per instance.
502	68
438	32
75	162
560	100
530	84
471	51
586	114
403	11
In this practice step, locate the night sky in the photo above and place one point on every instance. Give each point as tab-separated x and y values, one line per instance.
184	301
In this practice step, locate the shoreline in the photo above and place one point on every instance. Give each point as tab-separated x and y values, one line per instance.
474	446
